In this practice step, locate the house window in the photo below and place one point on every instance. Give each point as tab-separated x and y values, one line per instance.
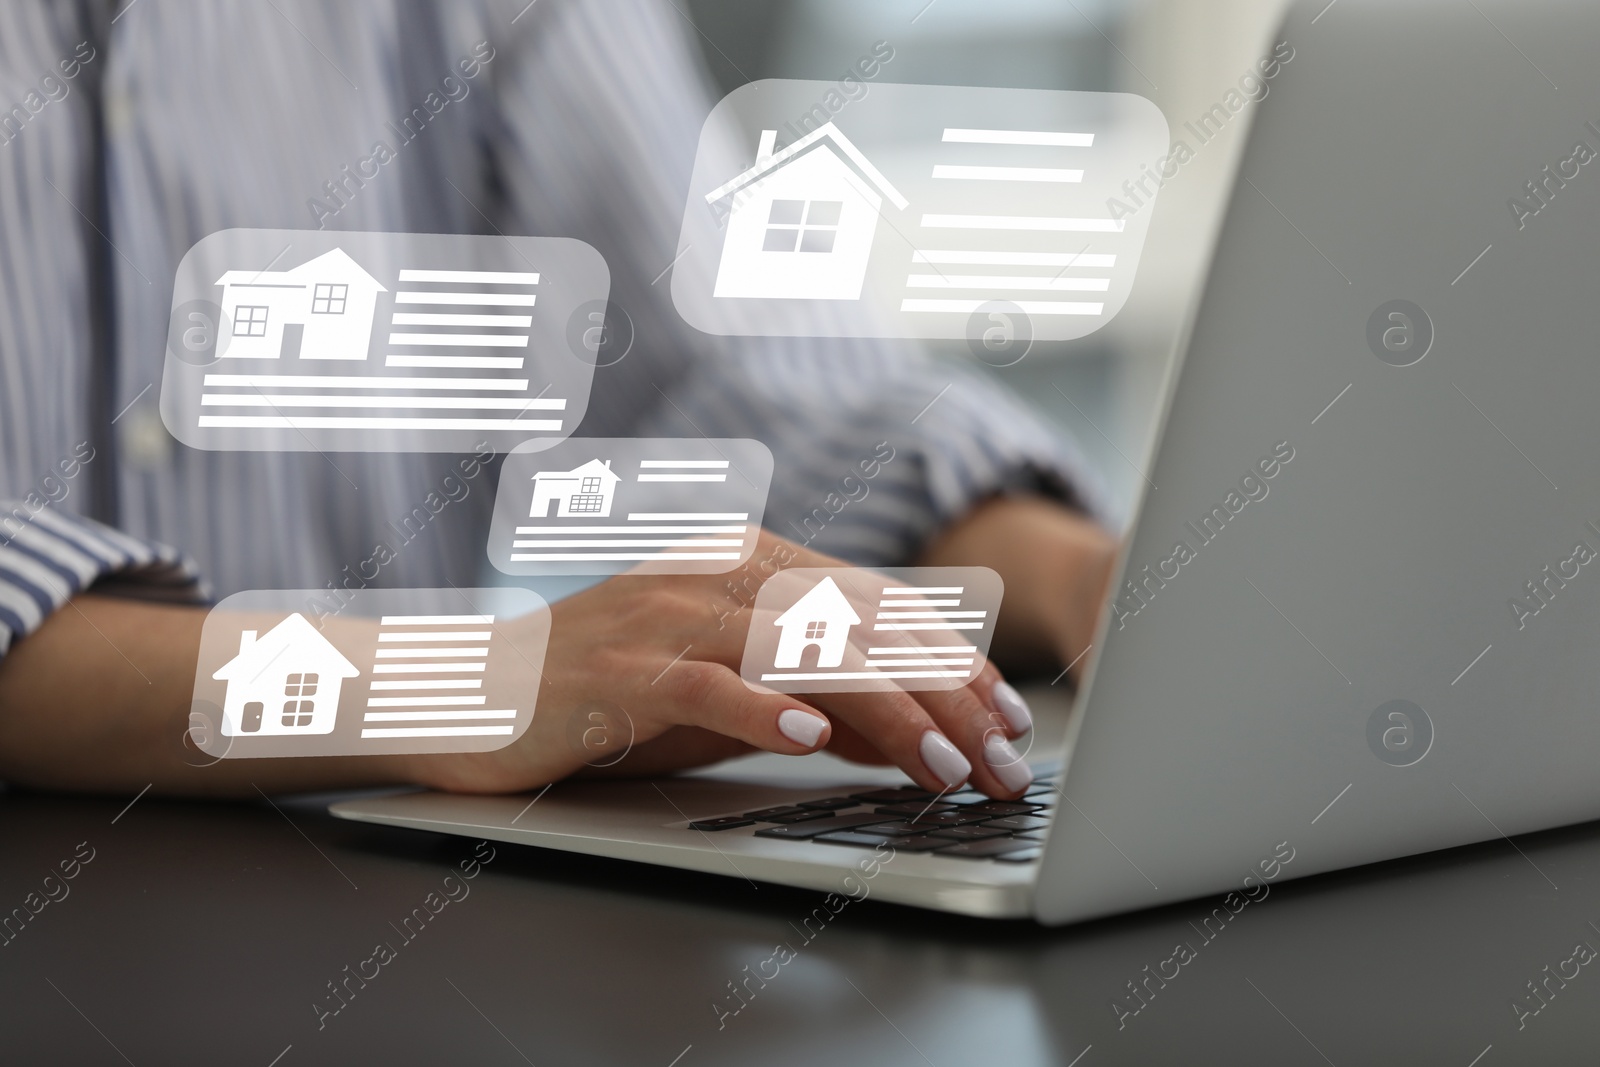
249	320
802	225
328	299
815	631
588	500
298	708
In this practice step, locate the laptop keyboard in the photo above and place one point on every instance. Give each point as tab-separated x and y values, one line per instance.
964	824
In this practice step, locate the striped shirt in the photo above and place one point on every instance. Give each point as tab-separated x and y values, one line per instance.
126	137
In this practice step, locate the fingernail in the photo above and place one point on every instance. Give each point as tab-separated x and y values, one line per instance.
1012	707
801	727
942	758
1006	762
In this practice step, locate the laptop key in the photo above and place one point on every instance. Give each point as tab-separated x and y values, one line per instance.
959	817
901	795
915	809
726	822
987	849
916	843
1019	822
767	814
830	803
972	832
864	839
800	815
1040	789
1025	856
1001	807
816	827
897	828
941	821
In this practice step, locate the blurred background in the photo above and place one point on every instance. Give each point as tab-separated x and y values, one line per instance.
1182	54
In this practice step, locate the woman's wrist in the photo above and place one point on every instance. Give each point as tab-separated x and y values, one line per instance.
1055	564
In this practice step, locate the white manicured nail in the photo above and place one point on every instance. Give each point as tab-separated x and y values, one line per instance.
943	759
1006	762
1012	707
801	727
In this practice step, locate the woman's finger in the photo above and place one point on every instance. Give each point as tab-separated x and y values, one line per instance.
901	728
709	695
846	743
979	730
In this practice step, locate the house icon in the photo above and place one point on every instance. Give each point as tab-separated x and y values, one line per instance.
285	682
822	617
330	297
584	490
801	221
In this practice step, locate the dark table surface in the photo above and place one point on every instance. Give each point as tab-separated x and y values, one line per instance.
208	933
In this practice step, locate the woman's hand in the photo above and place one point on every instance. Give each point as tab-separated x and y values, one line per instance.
1056	565
648	665
99	697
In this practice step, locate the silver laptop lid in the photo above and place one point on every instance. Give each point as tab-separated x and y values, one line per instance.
1360	617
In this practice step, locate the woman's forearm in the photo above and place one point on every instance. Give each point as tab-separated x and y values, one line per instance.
98	700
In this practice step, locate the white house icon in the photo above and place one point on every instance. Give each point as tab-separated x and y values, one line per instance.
802	221
330	296
584	490
285	682
822	617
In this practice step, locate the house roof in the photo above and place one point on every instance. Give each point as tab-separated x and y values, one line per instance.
292	646
829	132
823	602
332	264
592	468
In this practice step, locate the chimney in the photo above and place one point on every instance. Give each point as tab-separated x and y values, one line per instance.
764	149
247	638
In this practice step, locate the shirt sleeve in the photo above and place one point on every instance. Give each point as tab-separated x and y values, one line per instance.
878	446
47	557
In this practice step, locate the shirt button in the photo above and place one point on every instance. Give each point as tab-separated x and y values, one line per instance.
144	439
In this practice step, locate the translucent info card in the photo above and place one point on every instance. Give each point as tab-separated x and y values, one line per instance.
847	629
916	210
303	340
319	672
604	505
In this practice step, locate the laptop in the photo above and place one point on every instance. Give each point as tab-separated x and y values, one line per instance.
1359	617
